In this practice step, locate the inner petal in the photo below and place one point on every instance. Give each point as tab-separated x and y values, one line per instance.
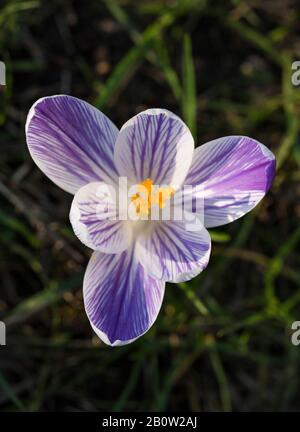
154	144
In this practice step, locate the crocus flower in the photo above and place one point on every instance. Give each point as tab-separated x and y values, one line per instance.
79	148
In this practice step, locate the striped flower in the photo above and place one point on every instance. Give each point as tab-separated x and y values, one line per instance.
80	149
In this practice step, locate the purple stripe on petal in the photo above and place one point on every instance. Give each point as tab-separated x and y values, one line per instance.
235	173
121	300
172	253
71	141
154	144
94	219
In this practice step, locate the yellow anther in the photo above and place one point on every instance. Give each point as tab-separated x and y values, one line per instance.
148	196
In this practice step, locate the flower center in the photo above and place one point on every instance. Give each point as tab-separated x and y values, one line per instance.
148	195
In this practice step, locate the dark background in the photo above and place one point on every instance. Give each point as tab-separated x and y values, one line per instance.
221	341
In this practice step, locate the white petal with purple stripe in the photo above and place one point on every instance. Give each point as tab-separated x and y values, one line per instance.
172	253
235	173
121	300
95	219
154	144
71	141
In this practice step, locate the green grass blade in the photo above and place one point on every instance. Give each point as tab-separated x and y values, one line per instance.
189	92
129	63
10	394
292	122
277	263
41	300
192	296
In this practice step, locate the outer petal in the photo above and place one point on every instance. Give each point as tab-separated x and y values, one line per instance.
235	173
154	144
71	141
172	253
95	219
121	300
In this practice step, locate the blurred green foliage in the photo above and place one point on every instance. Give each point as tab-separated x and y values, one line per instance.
222	341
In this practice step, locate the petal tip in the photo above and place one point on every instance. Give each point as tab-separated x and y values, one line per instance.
270	173
32	110
113	343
